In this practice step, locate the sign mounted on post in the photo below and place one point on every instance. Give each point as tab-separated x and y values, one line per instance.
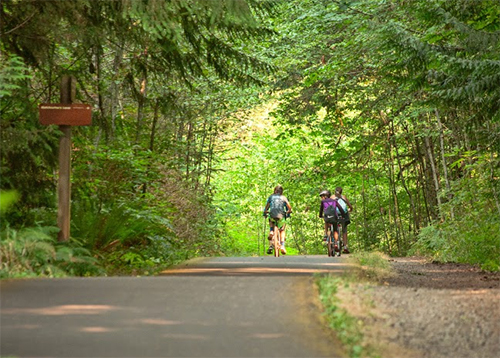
65	114
74	114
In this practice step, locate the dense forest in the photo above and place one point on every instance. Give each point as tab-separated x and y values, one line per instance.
201	107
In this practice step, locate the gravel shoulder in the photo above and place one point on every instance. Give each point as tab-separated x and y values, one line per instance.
429	310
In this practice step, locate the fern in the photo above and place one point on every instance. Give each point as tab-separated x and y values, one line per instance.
12	72
35	252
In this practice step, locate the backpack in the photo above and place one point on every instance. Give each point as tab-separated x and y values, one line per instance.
330	215
276	208
343	204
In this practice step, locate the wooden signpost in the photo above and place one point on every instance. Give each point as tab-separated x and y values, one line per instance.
65	115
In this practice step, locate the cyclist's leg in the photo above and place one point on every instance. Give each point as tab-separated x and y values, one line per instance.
335	233
344	236
282	232
271	228
282	237
327	227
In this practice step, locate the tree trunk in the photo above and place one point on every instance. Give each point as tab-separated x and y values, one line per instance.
114	91
430	155
153	126
210	155
443	160
364	201
393	192
140	108
403	181
189	138
423	180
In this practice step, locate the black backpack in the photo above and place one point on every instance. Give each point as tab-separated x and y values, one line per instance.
330	215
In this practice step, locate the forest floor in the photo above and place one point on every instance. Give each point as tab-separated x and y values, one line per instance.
429	310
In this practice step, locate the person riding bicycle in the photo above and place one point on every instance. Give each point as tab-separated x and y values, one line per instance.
346	220
329	210
278	208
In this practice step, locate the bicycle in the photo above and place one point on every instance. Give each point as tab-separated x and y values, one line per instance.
331	240
276	240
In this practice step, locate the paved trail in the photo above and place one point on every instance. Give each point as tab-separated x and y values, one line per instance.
221	307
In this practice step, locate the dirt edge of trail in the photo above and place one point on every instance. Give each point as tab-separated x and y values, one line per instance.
429	310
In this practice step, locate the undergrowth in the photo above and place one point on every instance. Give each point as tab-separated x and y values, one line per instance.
469	231
33	252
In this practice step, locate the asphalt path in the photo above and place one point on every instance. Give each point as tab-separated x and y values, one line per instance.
218	307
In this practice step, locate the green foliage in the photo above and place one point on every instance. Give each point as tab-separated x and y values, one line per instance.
147	257
35	252
470	235
403	114
7	199
121	222
369	92
12	73
103	175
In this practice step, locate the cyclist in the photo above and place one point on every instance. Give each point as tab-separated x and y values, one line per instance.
278	207
328	210
346	205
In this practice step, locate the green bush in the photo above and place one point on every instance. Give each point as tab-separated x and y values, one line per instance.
34	252
469	231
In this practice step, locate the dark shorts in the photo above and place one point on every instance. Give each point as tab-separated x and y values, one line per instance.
347	220
335	224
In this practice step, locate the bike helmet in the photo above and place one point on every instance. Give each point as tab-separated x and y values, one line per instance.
325	193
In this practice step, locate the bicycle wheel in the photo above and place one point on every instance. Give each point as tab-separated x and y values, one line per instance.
331	251
340	242
276	242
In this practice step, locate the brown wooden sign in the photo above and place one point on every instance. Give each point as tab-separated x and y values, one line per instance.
75	114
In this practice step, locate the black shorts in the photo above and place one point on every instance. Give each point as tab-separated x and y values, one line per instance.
346	220
335	224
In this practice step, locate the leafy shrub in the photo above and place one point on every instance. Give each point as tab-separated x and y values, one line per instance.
35	252
123	222
189	210
127	237
430	241
136	214
149	257
470	234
